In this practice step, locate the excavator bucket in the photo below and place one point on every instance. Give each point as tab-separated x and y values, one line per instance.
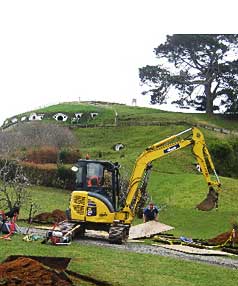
210	201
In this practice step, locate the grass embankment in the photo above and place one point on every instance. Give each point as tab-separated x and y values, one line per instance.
99	142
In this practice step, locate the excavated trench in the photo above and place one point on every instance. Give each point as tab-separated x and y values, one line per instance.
26	271
41	271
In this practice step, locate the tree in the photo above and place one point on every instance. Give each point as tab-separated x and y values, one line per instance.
13	186
202	68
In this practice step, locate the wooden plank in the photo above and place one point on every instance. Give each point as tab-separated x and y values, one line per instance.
193	250
148	229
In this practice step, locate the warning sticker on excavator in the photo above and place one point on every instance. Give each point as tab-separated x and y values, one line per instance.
172	148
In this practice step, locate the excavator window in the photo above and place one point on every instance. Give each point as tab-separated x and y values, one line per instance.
79	177
94	174
93	181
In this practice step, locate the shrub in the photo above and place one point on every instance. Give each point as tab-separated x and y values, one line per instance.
49	175
43	155
69	156
67	177
224	158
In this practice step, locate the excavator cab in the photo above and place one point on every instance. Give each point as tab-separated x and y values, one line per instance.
98	177
96	197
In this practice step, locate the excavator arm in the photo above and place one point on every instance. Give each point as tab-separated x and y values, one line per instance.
142	168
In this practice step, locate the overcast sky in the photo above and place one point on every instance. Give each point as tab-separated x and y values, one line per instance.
57	51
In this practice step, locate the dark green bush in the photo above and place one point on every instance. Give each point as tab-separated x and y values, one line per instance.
49	175
67	177
69	156
225	158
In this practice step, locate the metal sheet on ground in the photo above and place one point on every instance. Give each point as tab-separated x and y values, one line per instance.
193	250
148	229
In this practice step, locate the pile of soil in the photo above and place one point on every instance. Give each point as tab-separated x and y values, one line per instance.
223	237
55	216
26	271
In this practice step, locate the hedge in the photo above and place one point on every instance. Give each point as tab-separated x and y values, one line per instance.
49	175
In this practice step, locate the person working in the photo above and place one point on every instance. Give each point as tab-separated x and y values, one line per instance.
150	213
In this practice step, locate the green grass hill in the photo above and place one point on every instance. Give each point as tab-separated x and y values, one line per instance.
111	114
174	184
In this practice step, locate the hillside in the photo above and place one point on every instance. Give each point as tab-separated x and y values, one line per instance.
110	114
134	127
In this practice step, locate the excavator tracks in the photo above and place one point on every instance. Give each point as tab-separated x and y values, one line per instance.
118	234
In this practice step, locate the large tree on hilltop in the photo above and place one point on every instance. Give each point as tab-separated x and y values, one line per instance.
203	68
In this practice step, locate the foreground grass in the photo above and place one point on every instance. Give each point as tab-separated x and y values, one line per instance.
124	268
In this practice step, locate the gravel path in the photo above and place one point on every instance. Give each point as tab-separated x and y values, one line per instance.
100	241
223	261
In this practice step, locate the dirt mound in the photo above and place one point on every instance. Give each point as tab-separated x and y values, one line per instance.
25	271
223	237
55	216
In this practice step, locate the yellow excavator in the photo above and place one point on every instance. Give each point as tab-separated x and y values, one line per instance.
95	202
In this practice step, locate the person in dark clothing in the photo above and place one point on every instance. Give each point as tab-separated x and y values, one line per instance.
150	213
13	212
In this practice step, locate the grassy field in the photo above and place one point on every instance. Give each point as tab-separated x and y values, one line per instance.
124	268
174	184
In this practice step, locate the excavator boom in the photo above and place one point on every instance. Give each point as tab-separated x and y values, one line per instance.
195	139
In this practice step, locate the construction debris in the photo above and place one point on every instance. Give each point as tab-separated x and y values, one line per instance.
148	229
193	250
